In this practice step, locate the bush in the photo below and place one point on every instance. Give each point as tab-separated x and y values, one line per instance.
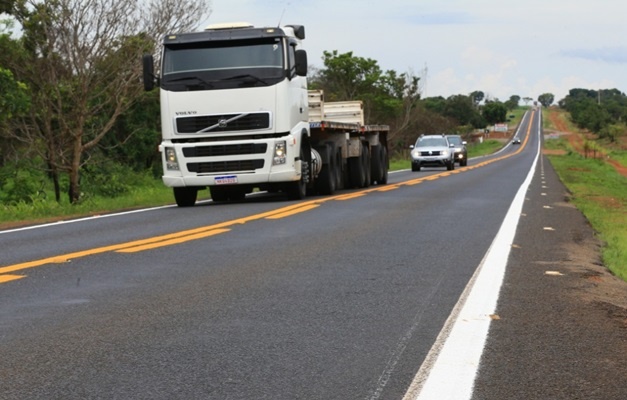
20	186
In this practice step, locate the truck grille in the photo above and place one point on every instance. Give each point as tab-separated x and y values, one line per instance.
223	123
225	150
224	166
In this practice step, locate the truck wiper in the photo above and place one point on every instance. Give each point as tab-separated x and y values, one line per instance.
195	78
256	78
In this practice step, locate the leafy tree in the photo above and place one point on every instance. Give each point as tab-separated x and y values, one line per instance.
597	110
14	96
513	101
346	77
81	60
388	97
613	131
494	112
546	99
527	99
477	97
461	108
9	6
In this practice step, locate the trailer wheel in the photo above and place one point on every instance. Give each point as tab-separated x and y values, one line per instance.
185	196
365	159
383	154
356	172
339	170
379	165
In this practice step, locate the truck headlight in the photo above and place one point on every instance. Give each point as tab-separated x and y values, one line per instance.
279	153
171	162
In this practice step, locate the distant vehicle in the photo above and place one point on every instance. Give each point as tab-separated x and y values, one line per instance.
432	151
516	140
461	153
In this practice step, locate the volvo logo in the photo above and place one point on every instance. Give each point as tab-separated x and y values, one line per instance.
222	123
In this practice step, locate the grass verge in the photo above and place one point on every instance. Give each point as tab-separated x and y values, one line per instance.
600	193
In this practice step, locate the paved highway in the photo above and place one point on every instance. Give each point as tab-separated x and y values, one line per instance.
352	296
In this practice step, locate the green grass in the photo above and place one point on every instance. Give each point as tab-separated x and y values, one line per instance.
482	149
45	209
600	193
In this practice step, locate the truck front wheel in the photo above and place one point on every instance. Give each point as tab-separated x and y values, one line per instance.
298	190
185	196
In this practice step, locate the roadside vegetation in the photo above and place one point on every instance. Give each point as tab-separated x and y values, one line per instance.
597	187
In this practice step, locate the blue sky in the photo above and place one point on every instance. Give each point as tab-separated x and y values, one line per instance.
501	47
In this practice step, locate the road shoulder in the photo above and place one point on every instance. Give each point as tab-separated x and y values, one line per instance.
560	330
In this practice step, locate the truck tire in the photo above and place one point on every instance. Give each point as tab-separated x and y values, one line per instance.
356	172
383	152
379	165
365	159
185	196
339	170
298	190
218	193
327	180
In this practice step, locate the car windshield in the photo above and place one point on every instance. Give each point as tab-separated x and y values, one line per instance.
455	139
431	142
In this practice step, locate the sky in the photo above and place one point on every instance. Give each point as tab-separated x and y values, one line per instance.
500	47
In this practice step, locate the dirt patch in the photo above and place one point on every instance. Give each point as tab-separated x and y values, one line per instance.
579	143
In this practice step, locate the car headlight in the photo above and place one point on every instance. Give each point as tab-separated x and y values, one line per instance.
415	154
445	153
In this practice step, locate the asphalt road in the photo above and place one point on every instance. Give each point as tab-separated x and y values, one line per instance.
331	298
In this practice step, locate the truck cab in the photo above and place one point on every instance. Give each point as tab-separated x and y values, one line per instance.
234	112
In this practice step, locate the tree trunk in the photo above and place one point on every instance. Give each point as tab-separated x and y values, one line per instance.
53	173
74	191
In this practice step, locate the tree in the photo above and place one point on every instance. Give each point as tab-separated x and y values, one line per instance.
82	61
347	77
494	112
461	108
512	103
14	96
527	99
477	97
546	99
388	97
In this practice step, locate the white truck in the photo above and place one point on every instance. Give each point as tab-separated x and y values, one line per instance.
236	115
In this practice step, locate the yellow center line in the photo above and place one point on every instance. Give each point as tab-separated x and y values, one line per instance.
211	230
170	242
292	212
353	195
8	278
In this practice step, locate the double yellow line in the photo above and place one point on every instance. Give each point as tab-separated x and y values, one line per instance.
6	273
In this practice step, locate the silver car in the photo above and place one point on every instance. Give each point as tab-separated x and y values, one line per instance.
432	151
461	153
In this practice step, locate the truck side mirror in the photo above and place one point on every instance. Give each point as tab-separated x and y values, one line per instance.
149	72
301	63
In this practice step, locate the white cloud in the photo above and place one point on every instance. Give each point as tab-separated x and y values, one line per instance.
503	48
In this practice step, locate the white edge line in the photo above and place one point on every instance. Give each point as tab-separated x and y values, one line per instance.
450	367
71	221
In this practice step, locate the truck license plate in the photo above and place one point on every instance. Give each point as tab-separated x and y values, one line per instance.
226	180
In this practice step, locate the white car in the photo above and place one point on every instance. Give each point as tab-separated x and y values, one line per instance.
432	151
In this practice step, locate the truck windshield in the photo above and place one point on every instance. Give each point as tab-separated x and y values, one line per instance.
224	64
